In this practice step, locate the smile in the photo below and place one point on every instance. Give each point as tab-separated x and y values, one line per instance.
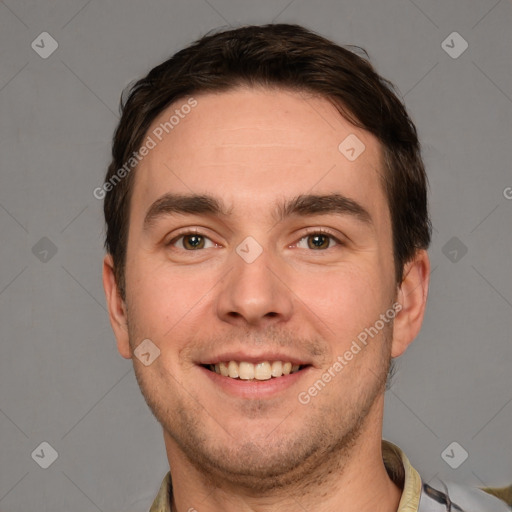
264	370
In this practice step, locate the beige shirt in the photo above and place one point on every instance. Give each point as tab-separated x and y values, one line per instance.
416	496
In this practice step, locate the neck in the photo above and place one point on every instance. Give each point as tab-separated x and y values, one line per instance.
354	478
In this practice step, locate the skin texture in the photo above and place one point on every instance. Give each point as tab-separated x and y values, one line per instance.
251	148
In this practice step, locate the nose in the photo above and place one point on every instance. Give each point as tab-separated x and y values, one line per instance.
255	292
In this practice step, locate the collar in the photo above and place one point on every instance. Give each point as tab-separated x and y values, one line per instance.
404	475
397	465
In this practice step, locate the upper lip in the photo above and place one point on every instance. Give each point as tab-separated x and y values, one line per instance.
254	358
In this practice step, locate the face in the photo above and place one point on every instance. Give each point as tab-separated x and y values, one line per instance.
254	239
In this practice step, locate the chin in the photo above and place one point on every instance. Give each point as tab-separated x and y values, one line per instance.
253	467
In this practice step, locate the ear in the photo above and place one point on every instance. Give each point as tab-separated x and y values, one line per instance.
412	295
116	308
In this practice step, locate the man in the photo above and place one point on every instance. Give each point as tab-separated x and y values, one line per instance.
267	229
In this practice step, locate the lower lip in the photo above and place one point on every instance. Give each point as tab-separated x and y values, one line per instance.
255	389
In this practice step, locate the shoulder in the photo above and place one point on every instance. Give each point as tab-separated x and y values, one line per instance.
444	496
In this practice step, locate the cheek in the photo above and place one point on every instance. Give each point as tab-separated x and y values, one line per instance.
165	300
345	300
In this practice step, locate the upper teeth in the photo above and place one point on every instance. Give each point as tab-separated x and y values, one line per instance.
259	371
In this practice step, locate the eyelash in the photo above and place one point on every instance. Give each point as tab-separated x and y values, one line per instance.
321	231
310	232
184	234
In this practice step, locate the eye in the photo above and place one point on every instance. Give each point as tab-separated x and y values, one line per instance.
191	241
319	240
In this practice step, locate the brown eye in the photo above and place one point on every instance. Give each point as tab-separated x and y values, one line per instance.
319	241
191	242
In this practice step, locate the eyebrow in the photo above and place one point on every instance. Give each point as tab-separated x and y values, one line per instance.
302	205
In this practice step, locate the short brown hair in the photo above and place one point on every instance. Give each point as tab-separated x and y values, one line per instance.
288	57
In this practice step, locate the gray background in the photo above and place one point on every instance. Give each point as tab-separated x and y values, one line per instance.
61	378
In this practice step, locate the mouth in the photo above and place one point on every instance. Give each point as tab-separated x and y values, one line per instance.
260	371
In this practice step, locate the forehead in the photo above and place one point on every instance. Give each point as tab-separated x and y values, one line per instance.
253	145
